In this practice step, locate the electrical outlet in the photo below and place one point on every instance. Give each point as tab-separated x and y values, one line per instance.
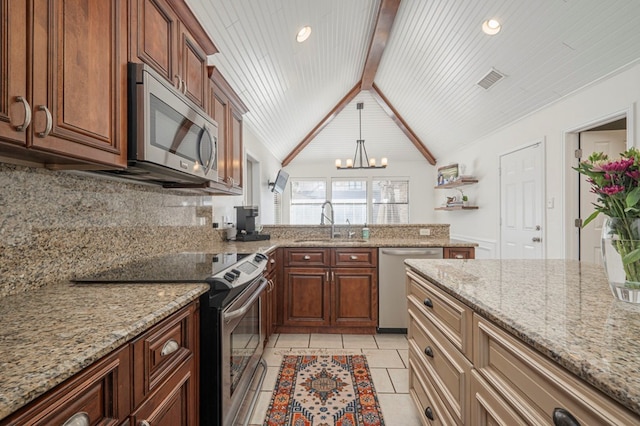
425	231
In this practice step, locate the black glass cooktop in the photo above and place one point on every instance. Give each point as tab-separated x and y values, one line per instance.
171	268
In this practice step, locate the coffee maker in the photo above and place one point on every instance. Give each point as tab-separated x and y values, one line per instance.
246	224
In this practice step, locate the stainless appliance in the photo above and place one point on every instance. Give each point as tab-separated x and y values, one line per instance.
171	140
393	315
246	224
231	334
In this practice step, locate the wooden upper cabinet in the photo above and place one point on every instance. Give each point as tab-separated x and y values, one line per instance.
15	110
73	54
219	111
235	148
160	38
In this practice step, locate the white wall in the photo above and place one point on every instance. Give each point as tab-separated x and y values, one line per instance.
269	166
604	98
420	173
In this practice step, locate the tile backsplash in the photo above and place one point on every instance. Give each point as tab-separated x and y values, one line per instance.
54	225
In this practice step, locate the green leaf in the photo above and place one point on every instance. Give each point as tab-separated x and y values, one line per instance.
633	197
632	256
590	218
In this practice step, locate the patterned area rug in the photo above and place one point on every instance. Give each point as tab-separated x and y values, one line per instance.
324	390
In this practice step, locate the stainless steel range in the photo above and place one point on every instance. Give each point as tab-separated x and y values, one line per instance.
230	324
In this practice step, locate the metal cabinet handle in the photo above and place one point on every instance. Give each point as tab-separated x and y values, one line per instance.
429	413
272	261
178	82
144	423
428	351
306	257
459	256
333	276
49	125
27	114
428	303
327	275
184	87
169	347
536	239
78	419
562	417
354	257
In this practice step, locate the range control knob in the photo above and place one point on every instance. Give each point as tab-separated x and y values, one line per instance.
230	277
260	257
236	272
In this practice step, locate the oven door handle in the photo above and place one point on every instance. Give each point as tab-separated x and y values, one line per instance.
247	305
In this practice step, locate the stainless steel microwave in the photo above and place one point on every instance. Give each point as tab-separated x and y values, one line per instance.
172	141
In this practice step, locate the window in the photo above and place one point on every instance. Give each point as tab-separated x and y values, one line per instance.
349	199
390	201
307	197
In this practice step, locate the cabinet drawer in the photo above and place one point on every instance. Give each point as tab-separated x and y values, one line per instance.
487	407
306	257
451	317
431	408
357	257
101	392
446	368
159	352
535	386
459	253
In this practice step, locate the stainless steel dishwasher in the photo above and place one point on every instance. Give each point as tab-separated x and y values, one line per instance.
393	315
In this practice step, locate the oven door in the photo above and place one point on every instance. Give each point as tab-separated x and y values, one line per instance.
242	346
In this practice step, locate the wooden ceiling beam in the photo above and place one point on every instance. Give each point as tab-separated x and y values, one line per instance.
386	15
322	124
397	118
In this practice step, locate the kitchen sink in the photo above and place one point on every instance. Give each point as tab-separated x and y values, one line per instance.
329	240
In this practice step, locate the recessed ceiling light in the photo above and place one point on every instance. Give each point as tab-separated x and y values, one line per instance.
491	27
303	34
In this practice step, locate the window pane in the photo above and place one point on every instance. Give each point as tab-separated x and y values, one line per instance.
390	201
349	198
307	197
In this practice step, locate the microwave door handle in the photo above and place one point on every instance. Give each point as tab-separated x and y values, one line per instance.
213	149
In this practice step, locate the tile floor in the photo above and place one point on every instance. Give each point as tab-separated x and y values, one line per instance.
387	355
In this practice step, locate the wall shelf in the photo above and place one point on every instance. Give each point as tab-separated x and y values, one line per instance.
457	208
461	182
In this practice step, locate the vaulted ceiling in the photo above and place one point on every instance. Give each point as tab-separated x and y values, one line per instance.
435	55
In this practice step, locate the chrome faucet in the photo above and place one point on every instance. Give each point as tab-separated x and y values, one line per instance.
331	219
349	233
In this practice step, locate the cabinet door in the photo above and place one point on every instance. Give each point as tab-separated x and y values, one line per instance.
174	404
219	111
234	155
306	295
193	68
15	110
354	296
153	37
487	408
99	395
79	79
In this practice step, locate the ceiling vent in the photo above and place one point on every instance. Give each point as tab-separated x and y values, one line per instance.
492	77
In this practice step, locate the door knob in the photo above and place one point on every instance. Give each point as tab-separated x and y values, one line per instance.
536	239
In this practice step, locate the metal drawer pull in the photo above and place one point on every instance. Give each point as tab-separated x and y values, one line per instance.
354	257
562	417
428	351
49	125
144	423
27	114
428	303
272	261
429	413
459	256
169	347
78	419
307	257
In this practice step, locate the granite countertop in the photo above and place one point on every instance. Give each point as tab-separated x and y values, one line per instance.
562	308
50	334
372	242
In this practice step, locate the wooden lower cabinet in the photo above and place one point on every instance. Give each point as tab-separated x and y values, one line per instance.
498	379
153	378
329	290
459	253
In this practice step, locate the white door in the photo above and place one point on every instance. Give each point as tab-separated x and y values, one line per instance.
612	143
521	207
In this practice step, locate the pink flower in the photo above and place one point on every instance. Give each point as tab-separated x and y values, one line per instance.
613	189
635	175
617	166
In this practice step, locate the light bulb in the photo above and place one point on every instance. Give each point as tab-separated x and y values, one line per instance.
338	163
372	162
349	162
383	162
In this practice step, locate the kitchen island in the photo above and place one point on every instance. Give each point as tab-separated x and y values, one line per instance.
562	309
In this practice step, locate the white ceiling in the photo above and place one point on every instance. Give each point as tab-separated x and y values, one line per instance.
435	55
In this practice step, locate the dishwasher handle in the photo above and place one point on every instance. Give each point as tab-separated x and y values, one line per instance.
435	252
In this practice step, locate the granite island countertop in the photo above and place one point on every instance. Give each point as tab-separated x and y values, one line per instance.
562	308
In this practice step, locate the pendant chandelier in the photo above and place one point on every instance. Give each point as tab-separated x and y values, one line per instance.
360	159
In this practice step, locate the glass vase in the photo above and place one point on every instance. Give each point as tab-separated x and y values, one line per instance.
621	257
